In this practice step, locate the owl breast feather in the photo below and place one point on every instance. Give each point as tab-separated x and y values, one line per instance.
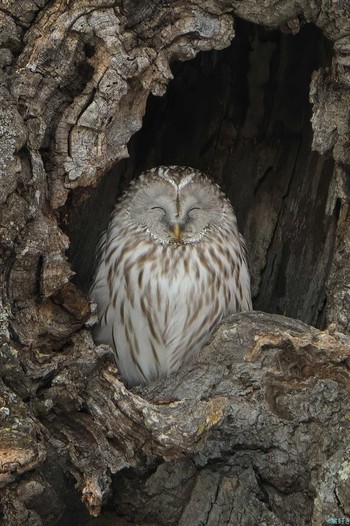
158	304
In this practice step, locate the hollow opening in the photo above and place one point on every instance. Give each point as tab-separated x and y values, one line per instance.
242	115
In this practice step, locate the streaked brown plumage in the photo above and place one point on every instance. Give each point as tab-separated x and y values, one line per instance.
172	264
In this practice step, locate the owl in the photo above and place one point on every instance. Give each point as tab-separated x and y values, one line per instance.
171	265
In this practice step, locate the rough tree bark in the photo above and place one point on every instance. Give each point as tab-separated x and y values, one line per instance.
256	431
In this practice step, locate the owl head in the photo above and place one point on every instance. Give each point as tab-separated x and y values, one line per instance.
176	205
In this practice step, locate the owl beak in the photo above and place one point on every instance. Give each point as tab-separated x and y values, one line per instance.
176	232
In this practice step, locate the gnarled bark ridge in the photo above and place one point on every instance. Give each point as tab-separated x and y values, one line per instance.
255	429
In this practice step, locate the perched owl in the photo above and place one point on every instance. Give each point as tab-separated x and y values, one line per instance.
172	265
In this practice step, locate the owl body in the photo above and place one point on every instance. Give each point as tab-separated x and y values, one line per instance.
171	266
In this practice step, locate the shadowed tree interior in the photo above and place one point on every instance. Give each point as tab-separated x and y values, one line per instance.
241	115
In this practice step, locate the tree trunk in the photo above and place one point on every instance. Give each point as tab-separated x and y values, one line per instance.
255	429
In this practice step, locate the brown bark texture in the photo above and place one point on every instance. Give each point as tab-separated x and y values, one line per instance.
255	430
